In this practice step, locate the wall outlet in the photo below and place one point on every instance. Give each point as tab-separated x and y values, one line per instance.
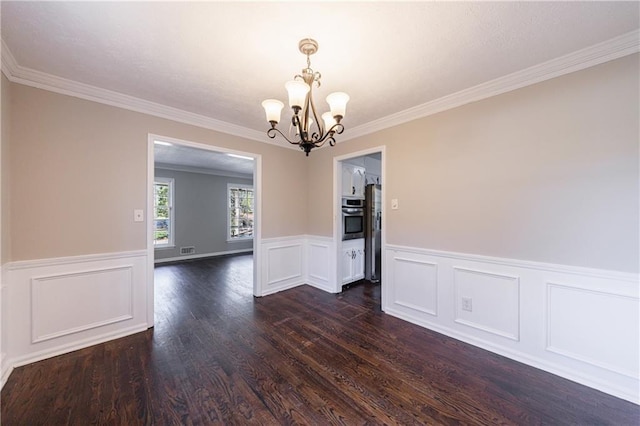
467	304
394	204
138	215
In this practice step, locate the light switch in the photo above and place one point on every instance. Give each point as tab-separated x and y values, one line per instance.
394	204
138	215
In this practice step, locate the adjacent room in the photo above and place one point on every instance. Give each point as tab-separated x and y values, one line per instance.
320	213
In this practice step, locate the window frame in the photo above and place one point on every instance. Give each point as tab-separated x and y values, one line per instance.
170	182
231	186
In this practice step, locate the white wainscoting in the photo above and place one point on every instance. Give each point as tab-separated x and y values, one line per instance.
288	262
579	323
484	289
321	261
420	291
107	296
64	304
283	261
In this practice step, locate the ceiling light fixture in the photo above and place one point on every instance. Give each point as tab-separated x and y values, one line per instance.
304	111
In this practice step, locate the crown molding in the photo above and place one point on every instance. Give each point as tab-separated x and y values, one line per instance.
29	77
614	48
626	44
9	64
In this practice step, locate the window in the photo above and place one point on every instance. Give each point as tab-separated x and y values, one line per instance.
163	220
240	212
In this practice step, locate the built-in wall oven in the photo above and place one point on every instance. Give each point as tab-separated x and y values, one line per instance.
352	218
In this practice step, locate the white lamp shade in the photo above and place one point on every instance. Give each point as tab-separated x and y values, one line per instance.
329	121
338	103
273	108
297	92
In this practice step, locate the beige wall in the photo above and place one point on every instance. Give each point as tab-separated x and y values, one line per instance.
5	229
80	169
546	173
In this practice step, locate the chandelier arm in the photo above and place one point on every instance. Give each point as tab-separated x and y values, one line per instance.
319	124
272	134
336	128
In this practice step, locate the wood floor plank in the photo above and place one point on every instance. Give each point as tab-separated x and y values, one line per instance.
217	355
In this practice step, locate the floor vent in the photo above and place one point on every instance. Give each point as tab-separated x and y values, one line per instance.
187	250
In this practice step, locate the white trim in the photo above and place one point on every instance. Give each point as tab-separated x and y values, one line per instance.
56	261
36	338
528	264
617	47
283	271
288	238
27	342
151	175
257	211
201	256
531	345
534	361
432	312
570	354
29	77
80	344
7	369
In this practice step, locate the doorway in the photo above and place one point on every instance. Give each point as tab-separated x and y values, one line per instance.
203	201
356	174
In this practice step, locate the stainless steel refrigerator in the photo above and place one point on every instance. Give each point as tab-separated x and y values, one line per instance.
373	233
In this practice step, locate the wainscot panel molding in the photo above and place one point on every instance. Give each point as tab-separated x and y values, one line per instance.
419	293
200	256
321	263
579	323
106	295
64	304
283	263
483	289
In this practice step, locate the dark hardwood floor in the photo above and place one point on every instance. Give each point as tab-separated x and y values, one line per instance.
219	356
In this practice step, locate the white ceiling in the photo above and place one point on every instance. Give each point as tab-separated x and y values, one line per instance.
221	59
186	158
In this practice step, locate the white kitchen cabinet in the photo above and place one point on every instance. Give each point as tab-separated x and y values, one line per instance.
352	260
353	181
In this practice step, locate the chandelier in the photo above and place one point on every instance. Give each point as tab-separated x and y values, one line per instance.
310	132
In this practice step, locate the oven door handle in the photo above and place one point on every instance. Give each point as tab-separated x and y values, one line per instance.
353	212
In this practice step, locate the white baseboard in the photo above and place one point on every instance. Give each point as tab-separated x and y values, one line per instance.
577	323
76	345
6	369
200	256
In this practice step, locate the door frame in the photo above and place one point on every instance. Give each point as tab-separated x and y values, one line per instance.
257	223
337	217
